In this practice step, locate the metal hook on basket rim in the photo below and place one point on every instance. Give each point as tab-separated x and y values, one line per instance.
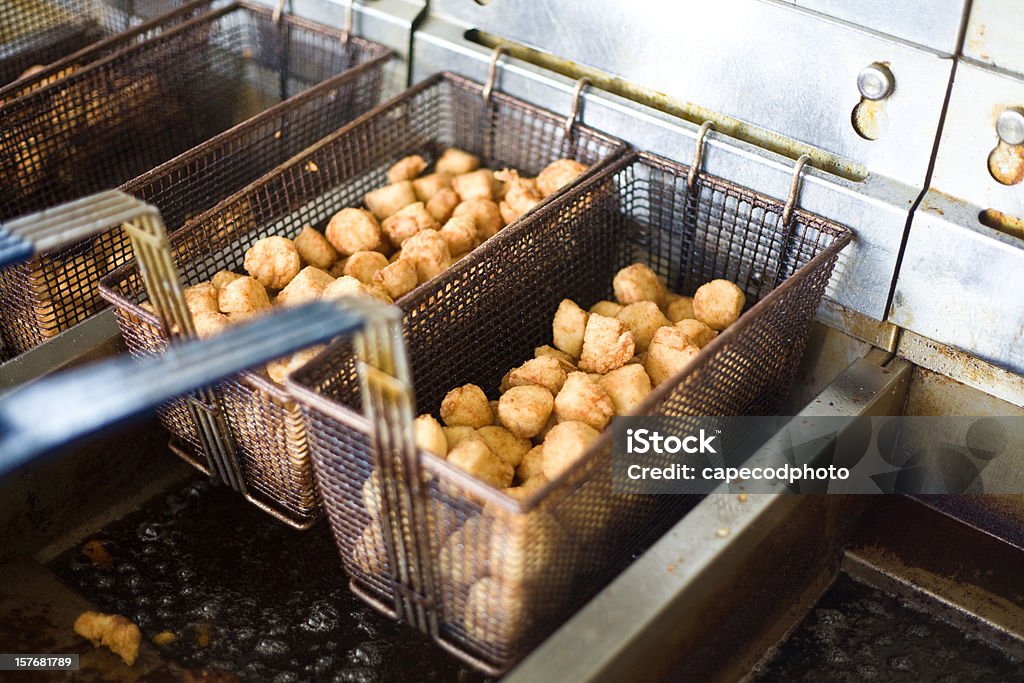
346	28
278	12
794	188
698	155
574	113
492	72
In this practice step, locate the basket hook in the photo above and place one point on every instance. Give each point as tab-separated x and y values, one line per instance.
794	188
574	113
698	155
346	28
492	72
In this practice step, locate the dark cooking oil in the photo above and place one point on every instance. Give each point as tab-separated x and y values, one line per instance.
226	588
858	633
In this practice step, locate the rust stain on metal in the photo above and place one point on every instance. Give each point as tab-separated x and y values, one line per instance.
1003	222
1006	163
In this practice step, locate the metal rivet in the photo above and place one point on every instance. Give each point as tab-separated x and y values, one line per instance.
875	82
1010	126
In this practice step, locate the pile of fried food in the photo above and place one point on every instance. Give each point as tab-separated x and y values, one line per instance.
411	230
603	362
497	567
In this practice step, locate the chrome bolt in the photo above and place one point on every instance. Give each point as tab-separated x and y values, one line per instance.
1010	126
875	82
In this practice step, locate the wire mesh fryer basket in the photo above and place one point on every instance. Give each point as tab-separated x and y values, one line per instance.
506	573
266	426
135	32
39	32
111	121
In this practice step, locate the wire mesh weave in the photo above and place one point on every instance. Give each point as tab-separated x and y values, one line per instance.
446	110
505	574
135	31
39	32
112	121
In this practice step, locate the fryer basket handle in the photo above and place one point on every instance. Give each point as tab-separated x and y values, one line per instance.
51	412
66	224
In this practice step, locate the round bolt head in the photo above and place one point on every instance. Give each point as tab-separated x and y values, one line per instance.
1010	126
875	82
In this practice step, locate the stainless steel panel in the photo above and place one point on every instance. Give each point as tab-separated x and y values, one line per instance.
994	31
978	97
937	28
961	283
766	65
875	208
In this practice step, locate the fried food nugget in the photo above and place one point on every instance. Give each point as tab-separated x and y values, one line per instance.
461	235
638	283
243	295
466	406
455	161
430	436
456	435
463	556
209	324
370	552
476	185
527	488
389	200
582	400
363	265
429	185
699	333
669	353
532	465
429	252
485	214
274	261
346	285
566	361
607	344
569	327
397	278
308	285
442	205
113	631
476	457
406	168
608	308
525	410
351	230
506	445
680	308
314	248
565	444
558	174
222	278
627	387
201	297
520	196
718	304
643	318
544	371
279	369
407	222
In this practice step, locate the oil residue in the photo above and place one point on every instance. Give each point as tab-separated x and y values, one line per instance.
243	593
858	633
